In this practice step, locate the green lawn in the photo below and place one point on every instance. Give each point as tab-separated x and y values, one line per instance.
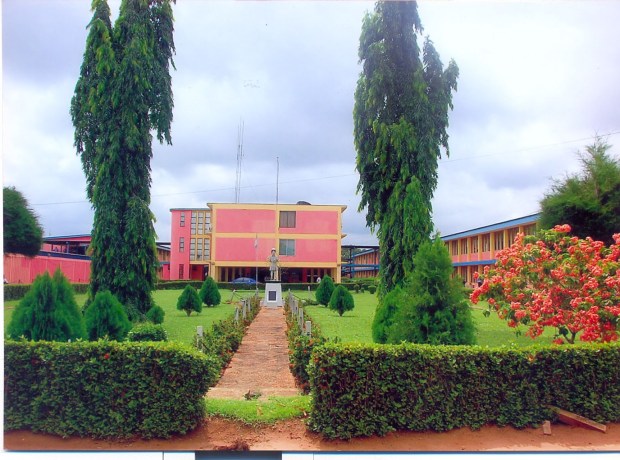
355	325
179	326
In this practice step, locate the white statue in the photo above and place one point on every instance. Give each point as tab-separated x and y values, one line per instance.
273	265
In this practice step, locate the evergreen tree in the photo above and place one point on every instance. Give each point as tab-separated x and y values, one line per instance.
325	290
434	309
384	314
47	312
209	292
156	314
189	300
22	233
124	92
341	300
400	126
589	202
106	317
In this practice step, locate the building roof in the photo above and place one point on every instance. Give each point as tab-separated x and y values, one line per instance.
493	227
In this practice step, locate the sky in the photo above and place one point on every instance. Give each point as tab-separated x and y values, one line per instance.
538	80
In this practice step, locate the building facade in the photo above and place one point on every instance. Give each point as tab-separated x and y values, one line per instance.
474	249
70	254
231	240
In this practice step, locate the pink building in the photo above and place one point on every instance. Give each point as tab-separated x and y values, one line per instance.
70	254
229	241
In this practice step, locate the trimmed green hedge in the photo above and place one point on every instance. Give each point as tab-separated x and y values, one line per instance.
362	390
105	389
17	291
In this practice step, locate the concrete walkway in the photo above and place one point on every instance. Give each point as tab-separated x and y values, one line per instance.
261	363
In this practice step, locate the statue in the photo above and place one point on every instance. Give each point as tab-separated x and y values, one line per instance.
273	265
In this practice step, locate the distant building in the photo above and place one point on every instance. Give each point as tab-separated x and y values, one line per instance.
232	240
474	249
70	254
363	262
471	250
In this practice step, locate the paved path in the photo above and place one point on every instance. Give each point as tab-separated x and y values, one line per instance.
261	363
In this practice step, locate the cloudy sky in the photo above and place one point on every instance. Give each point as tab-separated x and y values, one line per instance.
537	81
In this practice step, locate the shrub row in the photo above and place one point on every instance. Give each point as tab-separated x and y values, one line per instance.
105	389
300	346
362	390
224	337
17	291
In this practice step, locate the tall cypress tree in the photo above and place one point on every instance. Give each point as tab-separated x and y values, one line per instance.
400	118
123	92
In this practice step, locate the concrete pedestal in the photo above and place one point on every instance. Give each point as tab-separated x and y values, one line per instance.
273	295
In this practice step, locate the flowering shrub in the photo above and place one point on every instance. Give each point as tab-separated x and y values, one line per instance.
555	280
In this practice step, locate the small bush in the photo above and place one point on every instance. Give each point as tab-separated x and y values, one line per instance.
189	301
106	317
384	314
341	300
156	314
372	289
47	312
324	291
147	332
209	293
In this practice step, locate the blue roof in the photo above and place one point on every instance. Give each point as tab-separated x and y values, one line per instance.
494	227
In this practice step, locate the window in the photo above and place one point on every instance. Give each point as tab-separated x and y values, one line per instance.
486	242
192	249
193	223
199	251
207	248
499	241
464	246
182	221
288	219
512	234
181	271
201	217
455	248
287	247
474	245
181	244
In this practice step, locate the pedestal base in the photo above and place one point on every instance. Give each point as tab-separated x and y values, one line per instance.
273	295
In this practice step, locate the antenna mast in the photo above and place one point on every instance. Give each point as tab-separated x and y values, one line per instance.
239	160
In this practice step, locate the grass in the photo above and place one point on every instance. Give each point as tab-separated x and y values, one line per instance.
180	327
256	412
355	325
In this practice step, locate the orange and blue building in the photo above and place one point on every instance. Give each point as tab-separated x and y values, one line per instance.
233	240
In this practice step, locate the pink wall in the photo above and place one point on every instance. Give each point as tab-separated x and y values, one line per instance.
177	232
23	270
315	222
245	221
242	249
314	251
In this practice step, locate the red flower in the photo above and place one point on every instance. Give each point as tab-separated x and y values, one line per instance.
106	356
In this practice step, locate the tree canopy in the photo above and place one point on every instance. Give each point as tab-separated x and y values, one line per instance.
22	233
402	100
590	201
123	92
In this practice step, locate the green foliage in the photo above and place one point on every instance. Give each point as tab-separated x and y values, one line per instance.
372	289
189	301
147	332
225	336
402	100
22	233
363	390
105	389
325	290
122	95
384	315
156	314
589	202
106	318
48	312
341	300
209	293
434	309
